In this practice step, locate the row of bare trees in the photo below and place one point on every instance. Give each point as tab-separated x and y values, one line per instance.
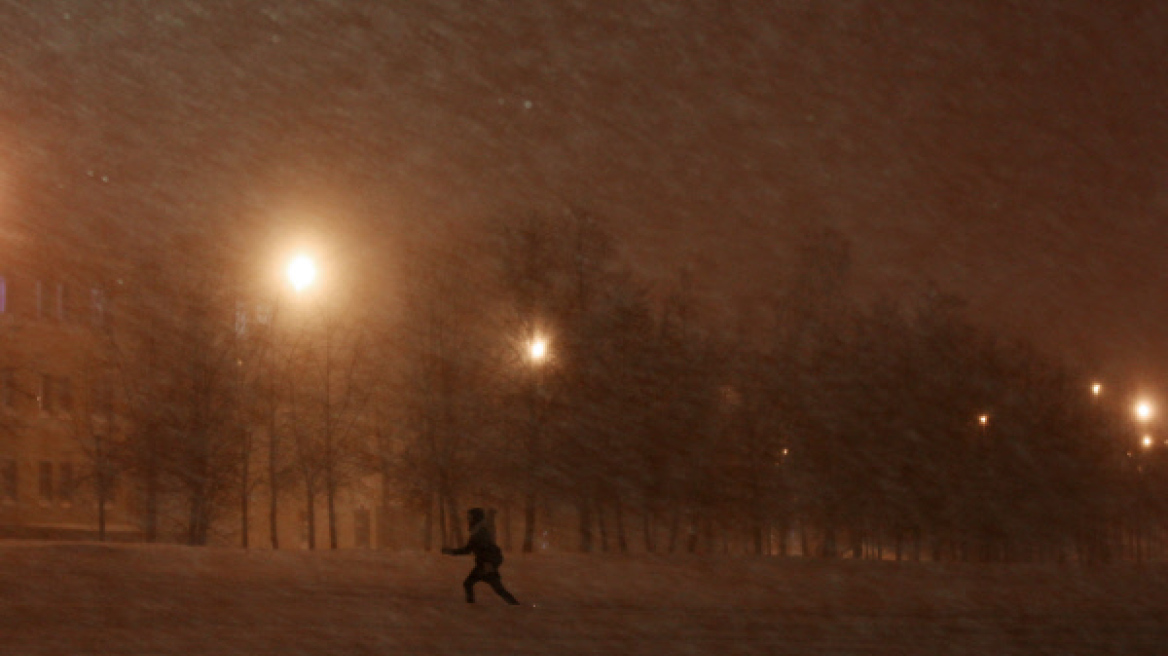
813	424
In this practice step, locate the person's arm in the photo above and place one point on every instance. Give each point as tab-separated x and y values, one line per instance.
469	548
457	552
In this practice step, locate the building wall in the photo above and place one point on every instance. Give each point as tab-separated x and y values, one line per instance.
46	351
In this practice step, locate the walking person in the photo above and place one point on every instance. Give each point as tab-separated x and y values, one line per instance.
488	555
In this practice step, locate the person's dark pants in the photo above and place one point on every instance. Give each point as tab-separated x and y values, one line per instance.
488	574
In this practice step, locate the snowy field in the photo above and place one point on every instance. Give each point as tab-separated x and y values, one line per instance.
95	599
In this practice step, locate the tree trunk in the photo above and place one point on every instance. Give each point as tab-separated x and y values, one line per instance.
199	518
273	484
647	524
621	537
455	520
151	502
444	536
507	524
244	493
428	526
585	513
603	527
529	523
310	493
330	491
694	534
101	515
674	531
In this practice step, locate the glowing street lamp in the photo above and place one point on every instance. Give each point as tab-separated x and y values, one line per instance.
538	349
301	272
984	420
1096	389
1144	411
1147	441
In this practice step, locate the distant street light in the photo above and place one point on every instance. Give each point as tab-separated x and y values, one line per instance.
538	349
1144	411
984	420
1096	388
1148	441
301	272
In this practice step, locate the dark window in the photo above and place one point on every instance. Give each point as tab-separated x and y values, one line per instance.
46	480
111	483
56	394
65	387
8	481
101	396
65	481
7	389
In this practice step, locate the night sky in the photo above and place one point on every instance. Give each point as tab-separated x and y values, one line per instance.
1015	153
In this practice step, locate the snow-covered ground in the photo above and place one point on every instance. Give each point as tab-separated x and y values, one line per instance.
96	599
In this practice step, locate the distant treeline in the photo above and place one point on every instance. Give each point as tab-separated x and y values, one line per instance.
809	423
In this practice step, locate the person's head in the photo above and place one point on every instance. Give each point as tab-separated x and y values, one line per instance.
474	516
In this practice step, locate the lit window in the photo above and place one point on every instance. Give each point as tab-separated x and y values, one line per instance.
45	397
240	319
263	314
97	306
62	301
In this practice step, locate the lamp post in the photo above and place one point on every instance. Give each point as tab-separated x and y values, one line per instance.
537	355
1144	411
302	274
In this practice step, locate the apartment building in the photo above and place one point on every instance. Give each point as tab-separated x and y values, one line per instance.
50	386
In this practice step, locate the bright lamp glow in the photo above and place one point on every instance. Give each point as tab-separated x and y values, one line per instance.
538	349
1144	411
1096	388
301	272
1147	441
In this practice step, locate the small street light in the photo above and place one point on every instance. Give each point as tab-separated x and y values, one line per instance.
1144	411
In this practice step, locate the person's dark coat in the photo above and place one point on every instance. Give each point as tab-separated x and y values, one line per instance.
481	543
